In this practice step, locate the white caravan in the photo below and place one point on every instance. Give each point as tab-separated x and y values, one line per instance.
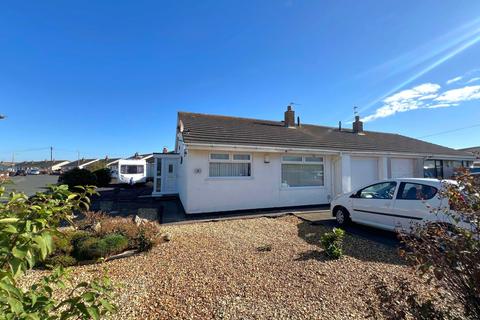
131	171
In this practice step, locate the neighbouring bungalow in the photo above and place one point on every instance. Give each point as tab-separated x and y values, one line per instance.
81	164
45	165
476	152
226	163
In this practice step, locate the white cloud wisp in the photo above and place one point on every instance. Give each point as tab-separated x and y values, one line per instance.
454	80
424	96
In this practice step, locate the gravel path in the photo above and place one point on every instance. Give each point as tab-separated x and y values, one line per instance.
215	270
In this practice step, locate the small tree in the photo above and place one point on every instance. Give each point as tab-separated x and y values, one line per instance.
78	177
448	253
103	177
26	229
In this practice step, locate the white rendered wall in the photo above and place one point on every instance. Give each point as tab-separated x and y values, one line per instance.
200	193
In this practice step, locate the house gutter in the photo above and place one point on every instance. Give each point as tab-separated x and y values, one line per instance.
229	147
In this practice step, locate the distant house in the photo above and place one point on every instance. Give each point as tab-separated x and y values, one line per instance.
45	165
81	164
476	153
7	166
224	163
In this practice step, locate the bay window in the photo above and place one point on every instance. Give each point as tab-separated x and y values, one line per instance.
230	165
302	171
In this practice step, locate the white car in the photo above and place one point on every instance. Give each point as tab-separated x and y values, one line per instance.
394	204
34	172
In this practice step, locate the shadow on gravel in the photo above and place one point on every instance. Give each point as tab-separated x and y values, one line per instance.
355	245
312	255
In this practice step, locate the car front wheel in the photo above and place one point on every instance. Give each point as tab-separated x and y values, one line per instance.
342	216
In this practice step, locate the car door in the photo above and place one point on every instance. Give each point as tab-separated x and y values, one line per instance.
413	203
372	205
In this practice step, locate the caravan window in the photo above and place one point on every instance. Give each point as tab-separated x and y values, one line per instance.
131	169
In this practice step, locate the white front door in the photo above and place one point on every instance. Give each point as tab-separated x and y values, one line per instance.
170	176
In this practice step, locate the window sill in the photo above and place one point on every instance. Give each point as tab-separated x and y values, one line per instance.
301	188
228	178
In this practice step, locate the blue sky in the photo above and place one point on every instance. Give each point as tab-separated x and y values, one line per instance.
107	77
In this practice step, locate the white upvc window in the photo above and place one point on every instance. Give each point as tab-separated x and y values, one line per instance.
222	164
302	171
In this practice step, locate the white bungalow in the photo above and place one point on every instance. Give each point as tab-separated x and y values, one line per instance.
227	163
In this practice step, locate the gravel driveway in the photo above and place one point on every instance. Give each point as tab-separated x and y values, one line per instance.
215	270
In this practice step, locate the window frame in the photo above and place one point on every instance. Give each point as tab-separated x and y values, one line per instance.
132	165
401	189
231	156
356	195
302	162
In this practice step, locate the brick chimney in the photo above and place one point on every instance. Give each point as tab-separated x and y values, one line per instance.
358	125
289	117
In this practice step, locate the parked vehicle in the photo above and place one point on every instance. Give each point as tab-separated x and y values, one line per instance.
132	171
20	173
34	172
394	204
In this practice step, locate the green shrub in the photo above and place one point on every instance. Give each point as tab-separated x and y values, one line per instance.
91	247
78	236
141	237
104	176
27	227
115	243
60	260
78	177
62	244
143	242
332	243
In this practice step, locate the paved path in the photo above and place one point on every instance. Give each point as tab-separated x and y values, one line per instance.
324	217
31	184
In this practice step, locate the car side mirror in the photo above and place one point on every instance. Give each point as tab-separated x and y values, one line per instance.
354	195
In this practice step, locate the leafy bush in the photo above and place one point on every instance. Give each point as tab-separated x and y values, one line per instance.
332	243
78	177
27	226
63	260
89	248
397	298
104	176
449	254
115	243
141	237
92	247
62	243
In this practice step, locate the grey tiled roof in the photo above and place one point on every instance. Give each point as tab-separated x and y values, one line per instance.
472	149
214	129
80	162
39	164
